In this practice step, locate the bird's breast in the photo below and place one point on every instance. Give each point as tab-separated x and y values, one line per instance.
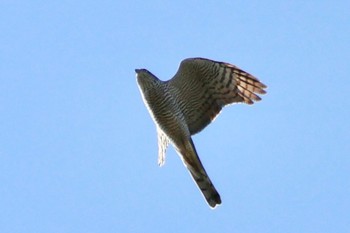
166	113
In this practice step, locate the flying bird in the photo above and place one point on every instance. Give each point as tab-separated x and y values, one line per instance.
187	103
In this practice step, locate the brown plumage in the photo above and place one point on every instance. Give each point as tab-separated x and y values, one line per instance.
187	103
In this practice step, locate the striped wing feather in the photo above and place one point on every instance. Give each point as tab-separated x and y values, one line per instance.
203	87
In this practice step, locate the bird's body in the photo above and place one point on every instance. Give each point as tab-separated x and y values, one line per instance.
187	103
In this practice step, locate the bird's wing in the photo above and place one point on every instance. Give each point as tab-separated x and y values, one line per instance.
203	87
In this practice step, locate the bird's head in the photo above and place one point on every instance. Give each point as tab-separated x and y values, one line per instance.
146	79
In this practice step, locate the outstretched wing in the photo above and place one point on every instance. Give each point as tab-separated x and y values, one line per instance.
203	87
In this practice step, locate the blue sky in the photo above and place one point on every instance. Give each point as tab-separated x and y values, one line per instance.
78	149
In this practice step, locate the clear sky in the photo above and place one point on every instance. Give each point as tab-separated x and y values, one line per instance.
78	149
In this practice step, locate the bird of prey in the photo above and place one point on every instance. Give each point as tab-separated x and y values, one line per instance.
187	103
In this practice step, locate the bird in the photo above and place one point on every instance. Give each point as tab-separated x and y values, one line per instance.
184	105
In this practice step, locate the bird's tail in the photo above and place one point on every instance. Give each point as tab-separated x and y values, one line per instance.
200	176
207	188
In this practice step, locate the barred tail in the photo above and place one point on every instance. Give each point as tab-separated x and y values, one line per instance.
199	175
207	188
